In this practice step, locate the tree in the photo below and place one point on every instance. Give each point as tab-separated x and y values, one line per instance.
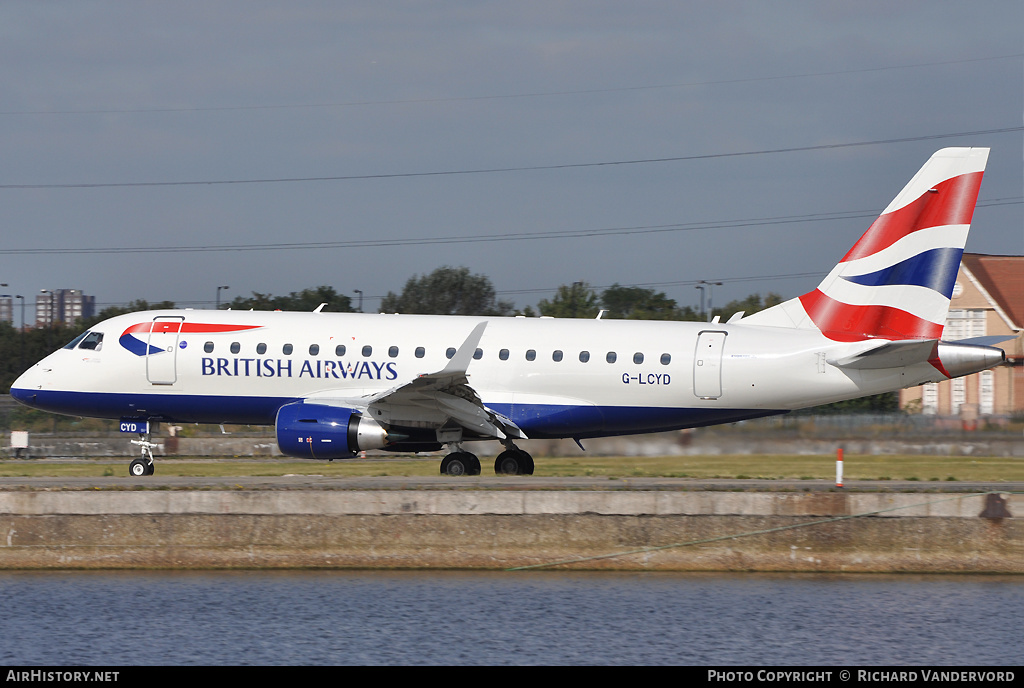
447	291
750	305
637	303
577	300
305	300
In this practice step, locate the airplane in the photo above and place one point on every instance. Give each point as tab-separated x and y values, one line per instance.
336	384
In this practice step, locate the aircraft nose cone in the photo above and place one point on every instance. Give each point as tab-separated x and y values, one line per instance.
25	387
21	394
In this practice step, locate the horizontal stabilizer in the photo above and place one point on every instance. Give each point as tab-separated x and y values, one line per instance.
991	340
886	354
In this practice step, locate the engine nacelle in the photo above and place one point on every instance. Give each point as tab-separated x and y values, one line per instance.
316	431
964	359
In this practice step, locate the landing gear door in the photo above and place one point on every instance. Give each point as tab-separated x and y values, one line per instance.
161	354
707	365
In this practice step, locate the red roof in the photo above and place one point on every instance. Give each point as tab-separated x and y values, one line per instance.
1003	278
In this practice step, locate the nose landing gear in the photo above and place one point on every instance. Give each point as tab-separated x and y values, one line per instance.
143	466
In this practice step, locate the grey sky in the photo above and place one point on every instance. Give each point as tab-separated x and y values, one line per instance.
133	92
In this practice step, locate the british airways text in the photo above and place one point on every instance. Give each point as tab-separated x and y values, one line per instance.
283	367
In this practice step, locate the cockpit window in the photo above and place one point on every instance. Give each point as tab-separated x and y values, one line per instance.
87	340
94	341
74	342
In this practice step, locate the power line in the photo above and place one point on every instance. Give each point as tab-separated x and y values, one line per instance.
551	290
674	283
528	168
482	238
509	96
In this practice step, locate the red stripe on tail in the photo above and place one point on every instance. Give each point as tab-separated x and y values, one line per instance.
842	322
951	204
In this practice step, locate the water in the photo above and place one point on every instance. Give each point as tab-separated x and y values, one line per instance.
330	617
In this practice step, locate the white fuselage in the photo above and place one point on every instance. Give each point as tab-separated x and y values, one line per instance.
552	377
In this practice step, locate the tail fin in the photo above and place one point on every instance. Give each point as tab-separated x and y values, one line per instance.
897	280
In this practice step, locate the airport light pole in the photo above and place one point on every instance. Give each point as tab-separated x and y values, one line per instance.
16	296
710	294
21	332
700	285
50	318
218	295
360	292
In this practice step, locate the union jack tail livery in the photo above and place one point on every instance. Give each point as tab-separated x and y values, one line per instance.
897	280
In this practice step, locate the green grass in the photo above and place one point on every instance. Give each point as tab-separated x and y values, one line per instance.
800	467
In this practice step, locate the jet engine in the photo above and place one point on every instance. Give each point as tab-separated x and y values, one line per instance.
316	431
960	359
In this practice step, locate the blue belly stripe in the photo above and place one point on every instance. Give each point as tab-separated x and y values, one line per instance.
538	421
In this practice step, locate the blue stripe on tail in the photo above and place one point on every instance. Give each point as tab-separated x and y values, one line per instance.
935	269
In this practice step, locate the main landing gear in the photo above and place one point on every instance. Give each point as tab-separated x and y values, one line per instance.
143	466
460	463
512	461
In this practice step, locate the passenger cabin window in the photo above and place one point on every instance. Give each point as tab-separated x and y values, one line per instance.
531	355
503	354
94	341
314	349
478	354
556	355
261	348
450	352
420	352
610	357
638	358
393	351
287	349
339	350
367	351
584	356
666	359
235	347
208	347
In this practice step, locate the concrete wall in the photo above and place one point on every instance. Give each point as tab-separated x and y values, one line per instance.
503	529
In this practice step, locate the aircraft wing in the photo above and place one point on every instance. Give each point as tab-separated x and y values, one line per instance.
437	400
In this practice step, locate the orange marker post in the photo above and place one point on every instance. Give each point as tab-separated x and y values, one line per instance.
839	467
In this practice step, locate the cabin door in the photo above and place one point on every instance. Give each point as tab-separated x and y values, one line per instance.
707	365
162	352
